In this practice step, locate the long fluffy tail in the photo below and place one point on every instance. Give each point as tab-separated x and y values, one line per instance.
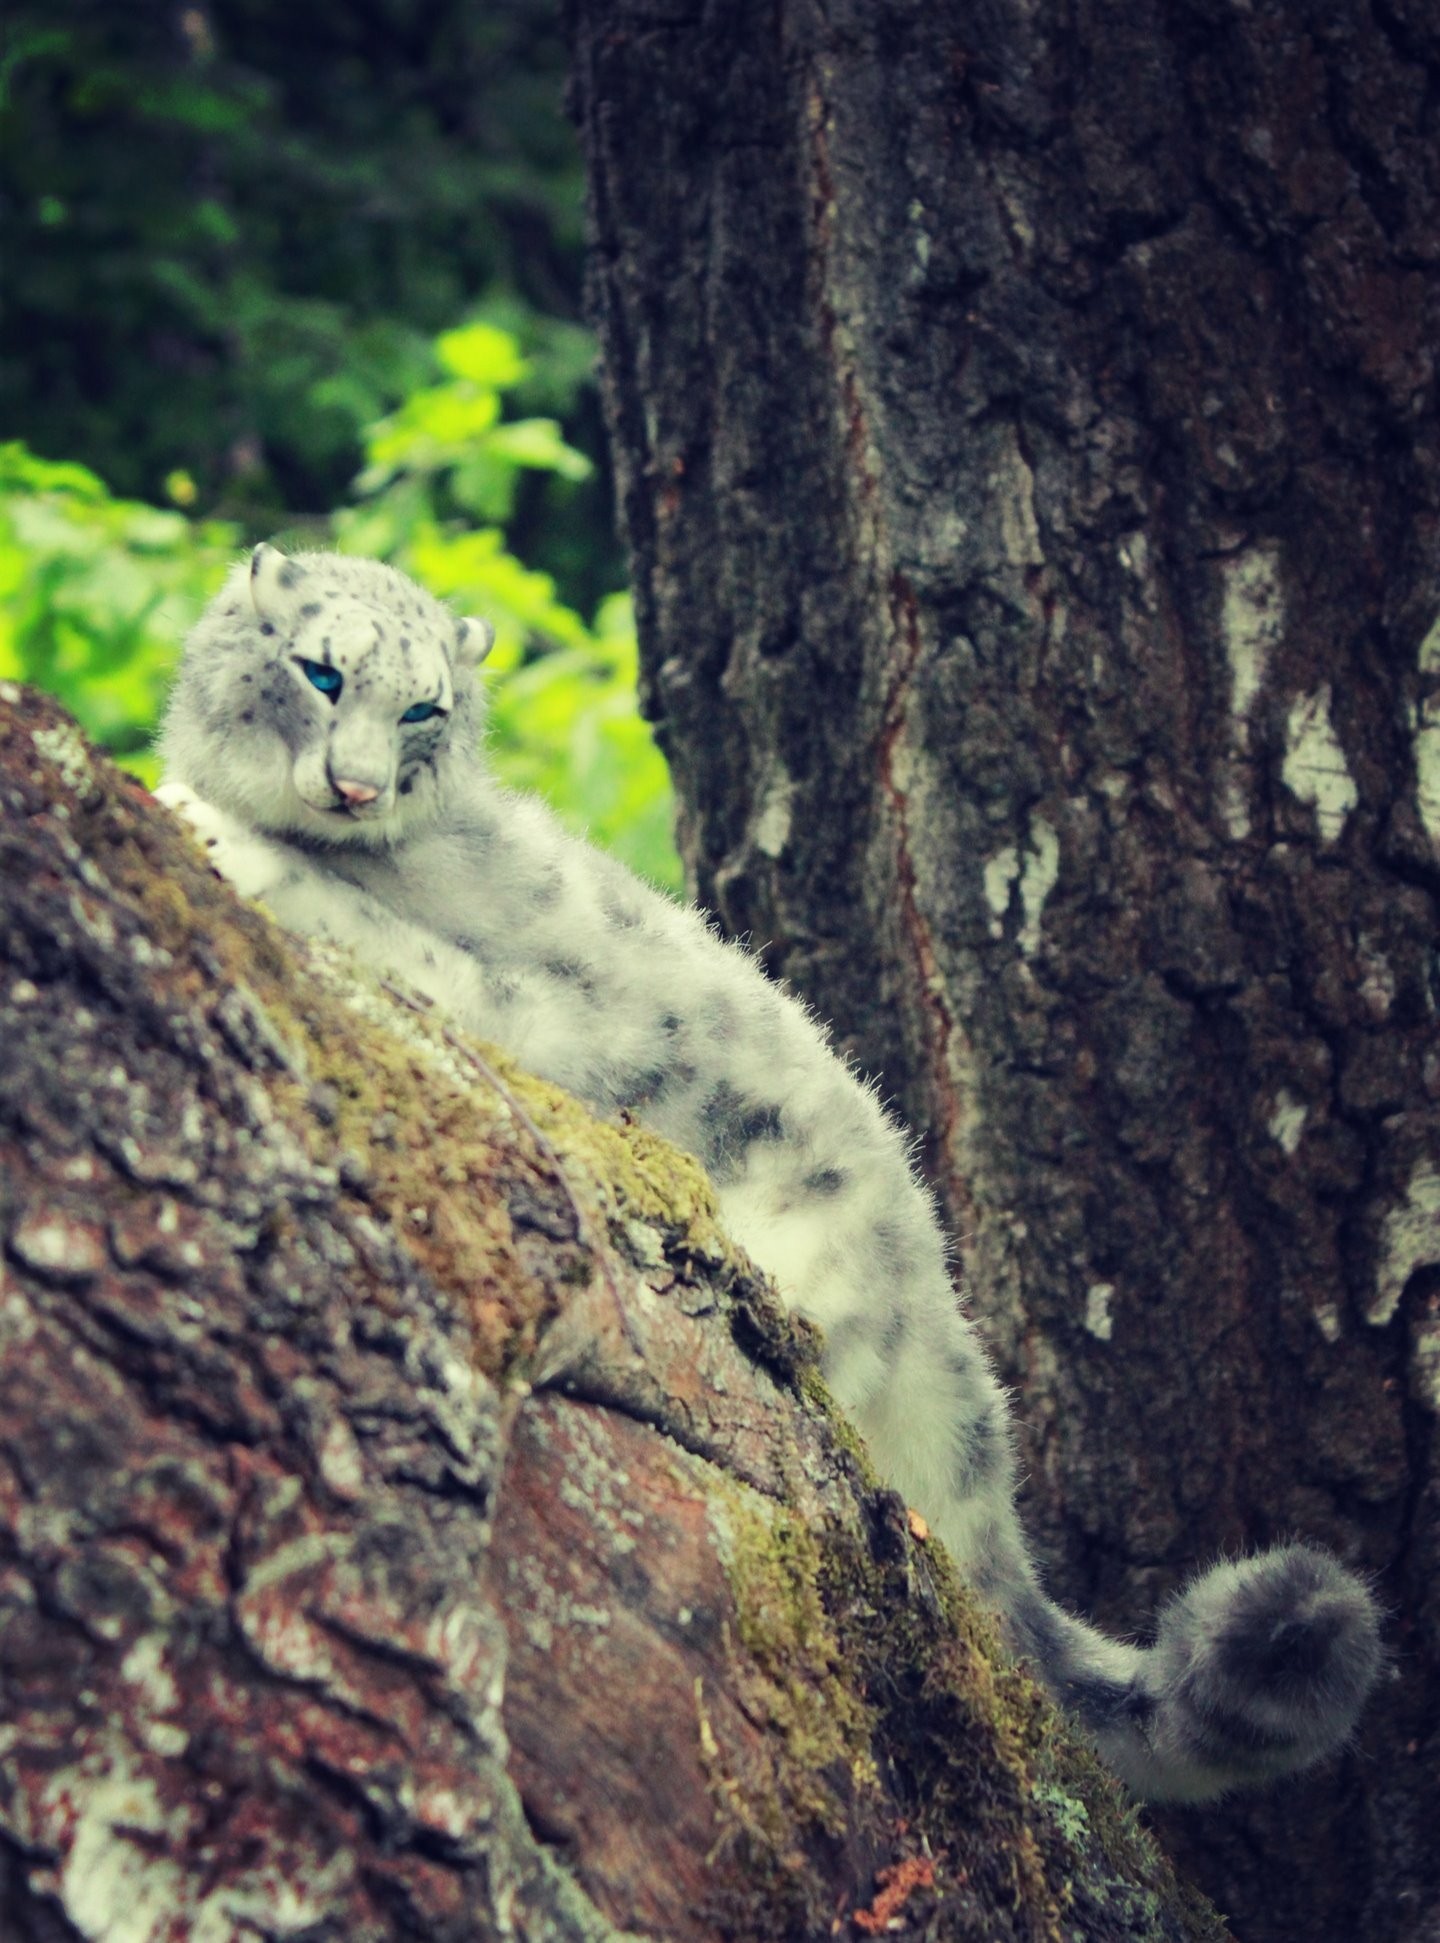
1258	1670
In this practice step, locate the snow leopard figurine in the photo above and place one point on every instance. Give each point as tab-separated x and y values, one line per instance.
323	739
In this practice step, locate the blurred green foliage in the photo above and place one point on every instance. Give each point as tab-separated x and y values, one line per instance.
233	228
234	235
96	592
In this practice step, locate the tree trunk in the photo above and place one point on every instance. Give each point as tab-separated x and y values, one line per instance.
1025	430
415	1520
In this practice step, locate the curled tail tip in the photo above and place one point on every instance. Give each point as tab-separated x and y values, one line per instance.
1294	1626
1264	1665
1259	1670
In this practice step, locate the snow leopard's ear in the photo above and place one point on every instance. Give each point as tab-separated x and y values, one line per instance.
275	588
473	641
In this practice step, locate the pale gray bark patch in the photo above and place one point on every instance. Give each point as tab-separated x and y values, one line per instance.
1016	414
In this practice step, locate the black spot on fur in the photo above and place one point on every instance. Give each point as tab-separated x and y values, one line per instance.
289	575
892	1335
570	971
267	627
545	892
825	1181
670	1022
310	610
964	1360
643	1089
979	1453
1100	1703
407	783
1289	1655
733	1123
622	917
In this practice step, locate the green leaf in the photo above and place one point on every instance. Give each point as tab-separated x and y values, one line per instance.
483	354
537	442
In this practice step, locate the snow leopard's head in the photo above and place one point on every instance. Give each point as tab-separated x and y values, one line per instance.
325	697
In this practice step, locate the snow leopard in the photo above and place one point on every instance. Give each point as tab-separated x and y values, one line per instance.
323	738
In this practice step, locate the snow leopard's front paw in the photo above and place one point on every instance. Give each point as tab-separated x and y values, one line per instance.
251	863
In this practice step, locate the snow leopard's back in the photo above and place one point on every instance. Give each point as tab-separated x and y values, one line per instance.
534	940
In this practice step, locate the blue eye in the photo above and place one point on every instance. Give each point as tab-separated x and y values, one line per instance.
421	711
328	680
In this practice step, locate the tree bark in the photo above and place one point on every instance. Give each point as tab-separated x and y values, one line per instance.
1026	438
415	1519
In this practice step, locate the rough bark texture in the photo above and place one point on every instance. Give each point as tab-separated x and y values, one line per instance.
415	1521
1025	421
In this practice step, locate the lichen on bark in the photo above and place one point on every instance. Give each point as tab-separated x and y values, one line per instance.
417	1517
1024	428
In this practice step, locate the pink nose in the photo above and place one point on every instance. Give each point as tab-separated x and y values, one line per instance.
356	793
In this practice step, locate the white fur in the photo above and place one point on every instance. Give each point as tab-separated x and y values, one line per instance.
532	939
